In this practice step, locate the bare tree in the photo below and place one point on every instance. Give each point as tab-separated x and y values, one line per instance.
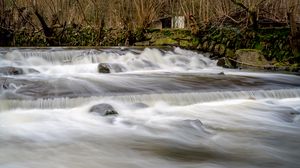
148	11
252	9
128	16
292	8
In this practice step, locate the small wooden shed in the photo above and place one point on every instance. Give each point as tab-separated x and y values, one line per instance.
176	22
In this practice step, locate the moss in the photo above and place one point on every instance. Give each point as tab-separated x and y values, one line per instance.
222	49
167	32
195	42
249	50
191	44
152	30
211	46
216	48
165	41
185	44
230	53
259	46
281	64
295	67
184	32
205	46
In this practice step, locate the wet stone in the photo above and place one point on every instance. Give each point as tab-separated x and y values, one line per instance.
103	110
139	105
221	73
16	71
11	71
103	68
288	116
109	68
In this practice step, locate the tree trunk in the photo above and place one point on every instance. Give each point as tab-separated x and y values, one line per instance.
292	23
2	7
48	31
253	19
6	31
295	35
252	11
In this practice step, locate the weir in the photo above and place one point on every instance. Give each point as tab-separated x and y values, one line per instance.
177	99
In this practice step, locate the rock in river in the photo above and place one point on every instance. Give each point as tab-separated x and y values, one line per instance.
103	110
11	71
108	68
16	71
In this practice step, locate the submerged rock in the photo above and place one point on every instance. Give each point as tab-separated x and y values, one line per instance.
192	127
16	71
288	116
109	68
103	110
139	105
221	73
194	123
11	71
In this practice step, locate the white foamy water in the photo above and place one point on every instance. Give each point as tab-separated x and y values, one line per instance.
55	62
150	99
175	111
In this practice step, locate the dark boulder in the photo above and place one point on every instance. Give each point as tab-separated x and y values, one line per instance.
109	68
103	68
103	110
16	71
11	71
225	63
221	73
222	62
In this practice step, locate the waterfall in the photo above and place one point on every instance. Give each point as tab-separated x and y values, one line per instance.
171	98
148	59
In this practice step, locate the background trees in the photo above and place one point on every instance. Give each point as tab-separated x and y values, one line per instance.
53	17
140	13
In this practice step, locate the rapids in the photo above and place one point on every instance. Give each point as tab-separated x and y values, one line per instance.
176	109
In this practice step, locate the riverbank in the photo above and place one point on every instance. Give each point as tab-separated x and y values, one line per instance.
267	49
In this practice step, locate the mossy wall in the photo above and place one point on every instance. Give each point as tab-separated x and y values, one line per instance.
174	37
70	36
272	42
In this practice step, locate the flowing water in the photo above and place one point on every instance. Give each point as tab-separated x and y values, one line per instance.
176	109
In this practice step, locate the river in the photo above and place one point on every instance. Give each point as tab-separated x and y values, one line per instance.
177	109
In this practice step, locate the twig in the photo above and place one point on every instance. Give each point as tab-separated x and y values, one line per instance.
21	14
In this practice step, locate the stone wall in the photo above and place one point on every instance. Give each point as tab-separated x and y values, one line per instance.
272	43
268	48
